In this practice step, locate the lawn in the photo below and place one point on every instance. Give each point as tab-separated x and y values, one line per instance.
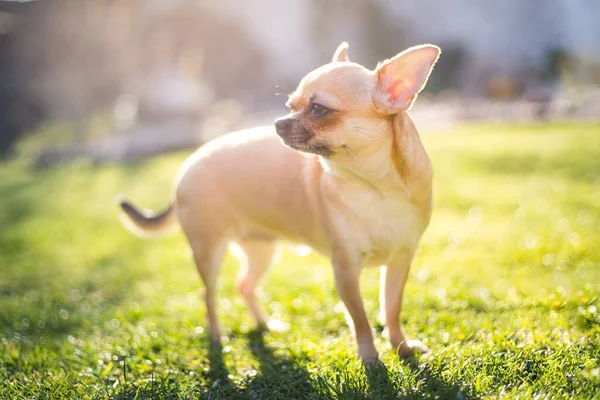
504	289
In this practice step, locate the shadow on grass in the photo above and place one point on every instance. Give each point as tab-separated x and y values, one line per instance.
421	381
432	384
282	376
288	378
218	375
381	386
278	373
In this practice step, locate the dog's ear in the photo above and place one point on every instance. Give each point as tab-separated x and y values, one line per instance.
341	53
400	79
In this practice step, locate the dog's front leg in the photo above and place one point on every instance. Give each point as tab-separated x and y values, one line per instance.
393	280
347	273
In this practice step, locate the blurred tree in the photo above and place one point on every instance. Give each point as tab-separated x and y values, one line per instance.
448	68
18	111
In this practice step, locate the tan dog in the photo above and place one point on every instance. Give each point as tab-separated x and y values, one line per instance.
358	190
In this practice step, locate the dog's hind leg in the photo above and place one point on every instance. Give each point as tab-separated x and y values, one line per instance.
208	257
259	254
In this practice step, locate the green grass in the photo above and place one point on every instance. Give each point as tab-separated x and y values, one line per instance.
505	287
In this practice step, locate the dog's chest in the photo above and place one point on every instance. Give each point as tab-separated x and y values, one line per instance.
383	223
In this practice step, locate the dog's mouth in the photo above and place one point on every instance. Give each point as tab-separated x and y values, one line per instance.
306	146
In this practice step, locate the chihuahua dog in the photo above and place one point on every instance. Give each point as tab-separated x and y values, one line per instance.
344	172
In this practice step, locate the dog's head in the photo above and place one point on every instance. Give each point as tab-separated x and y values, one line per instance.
342	106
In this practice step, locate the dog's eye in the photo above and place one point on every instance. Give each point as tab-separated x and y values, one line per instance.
317	110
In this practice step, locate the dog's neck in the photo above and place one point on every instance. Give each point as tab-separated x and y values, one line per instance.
397	159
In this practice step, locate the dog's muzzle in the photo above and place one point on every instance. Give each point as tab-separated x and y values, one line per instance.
283	126
291	131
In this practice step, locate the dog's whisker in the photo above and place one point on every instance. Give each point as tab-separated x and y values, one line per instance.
366	134
362	132
365	128
350	152
347	152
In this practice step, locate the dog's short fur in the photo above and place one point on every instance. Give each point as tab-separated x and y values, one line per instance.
353	182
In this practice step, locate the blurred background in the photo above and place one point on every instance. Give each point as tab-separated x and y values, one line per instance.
121	80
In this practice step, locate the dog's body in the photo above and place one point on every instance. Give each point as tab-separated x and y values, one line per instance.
358	191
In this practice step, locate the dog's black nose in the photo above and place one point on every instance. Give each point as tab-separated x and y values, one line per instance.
282	126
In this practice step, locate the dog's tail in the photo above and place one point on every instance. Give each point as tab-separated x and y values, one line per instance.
147	223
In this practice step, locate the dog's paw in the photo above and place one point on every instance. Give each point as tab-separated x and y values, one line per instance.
412	347
215	345
261	327
370	362
418	347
